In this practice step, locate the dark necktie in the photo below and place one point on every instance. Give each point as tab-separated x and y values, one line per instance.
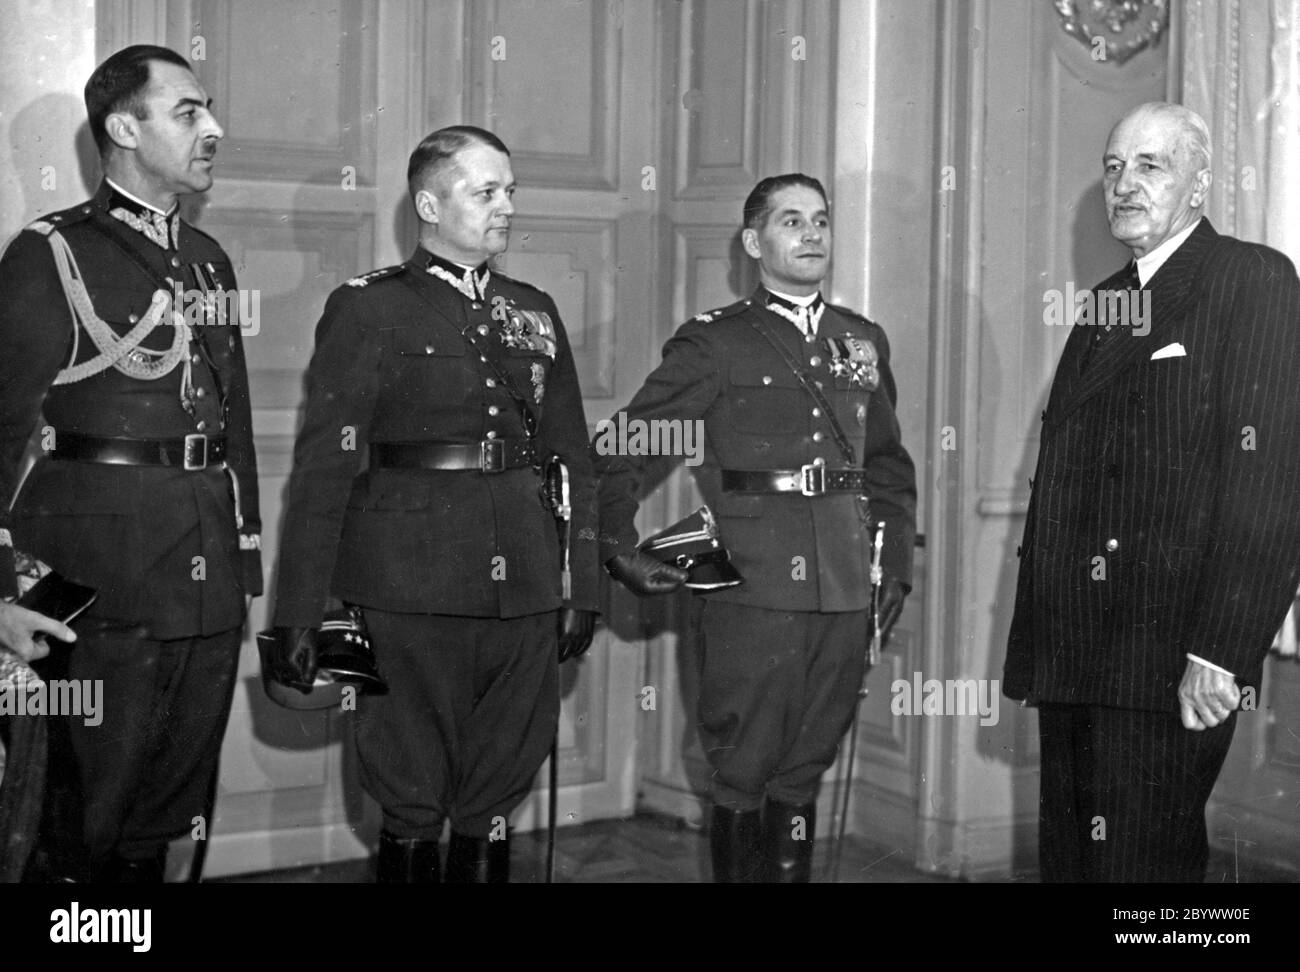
1104	330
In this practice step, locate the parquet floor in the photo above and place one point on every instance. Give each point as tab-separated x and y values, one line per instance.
645	849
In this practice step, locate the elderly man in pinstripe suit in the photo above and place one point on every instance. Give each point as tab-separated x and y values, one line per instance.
1162	546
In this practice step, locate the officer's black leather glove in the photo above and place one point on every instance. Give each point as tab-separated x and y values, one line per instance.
892	594
576	630
642	574
292	657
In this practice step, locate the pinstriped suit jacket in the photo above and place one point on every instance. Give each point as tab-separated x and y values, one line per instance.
1165	512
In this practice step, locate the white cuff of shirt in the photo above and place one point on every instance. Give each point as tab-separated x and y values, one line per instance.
1201	661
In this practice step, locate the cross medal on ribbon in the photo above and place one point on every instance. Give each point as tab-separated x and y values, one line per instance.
855	359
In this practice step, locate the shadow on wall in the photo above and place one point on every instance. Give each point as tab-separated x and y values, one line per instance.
38	138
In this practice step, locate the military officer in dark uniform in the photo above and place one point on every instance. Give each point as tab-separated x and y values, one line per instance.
437	390
784	653
115	326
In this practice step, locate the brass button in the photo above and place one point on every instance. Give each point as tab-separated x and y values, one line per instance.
491	435
814	361
201	425
1112	544
476	305
490	382
809	338
176	261
133	318
199	392
194	359
817	436
493	410
767	379
817	413
482	329
428	349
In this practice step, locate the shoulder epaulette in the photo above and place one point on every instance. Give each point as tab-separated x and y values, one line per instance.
849	312
514	280
65	217
368	278
191	228
731	310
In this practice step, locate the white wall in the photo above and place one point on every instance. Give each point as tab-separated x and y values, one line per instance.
47	51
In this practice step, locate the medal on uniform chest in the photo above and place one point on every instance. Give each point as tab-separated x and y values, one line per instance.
855	359
537	375
214	304
528	330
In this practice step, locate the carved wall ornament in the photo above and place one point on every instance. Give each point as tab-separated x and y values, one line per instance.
1115	29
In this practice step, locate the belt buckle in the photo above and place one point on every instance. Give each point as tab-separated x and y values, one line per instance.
492	456
812	479
187	461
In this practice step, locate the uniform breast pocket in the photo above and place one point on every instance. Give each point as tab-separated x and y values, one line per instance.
420	343
766	399
425	366
123	307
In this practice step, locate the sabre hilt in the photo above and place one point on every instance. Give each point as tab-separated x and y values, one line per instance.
556	490
877	576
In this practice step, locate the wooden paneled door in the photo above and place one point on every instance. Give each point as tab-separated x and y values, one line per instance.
322	104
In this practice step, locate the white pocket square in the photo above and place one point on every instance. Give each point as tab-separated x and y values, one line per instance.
1174	350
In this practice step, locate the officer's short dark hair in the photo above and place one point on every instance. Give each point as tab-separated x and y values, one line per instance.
759	202
119	84
437	149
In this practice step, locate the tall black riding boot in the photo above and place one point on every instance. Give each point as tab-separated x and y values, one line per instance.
734	840
788	831
406	860
478	860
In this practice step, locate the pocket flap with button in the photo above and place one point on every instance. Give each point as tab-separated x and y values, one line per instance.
426	342
772	374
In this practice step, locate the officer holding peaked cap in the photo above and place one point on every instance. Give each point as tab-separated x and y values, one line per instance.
692	545
802	457
458	385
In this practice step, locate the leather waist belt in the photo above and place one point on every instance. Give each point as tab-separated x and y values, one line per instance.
810	480
488	456
196	451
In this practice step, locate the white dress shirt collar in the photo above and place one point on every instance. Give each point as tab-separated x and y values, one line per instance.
1153	261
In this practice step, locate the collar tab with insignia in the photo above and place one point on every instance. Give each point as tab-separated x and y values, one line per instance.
806	317
470	282
161	229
